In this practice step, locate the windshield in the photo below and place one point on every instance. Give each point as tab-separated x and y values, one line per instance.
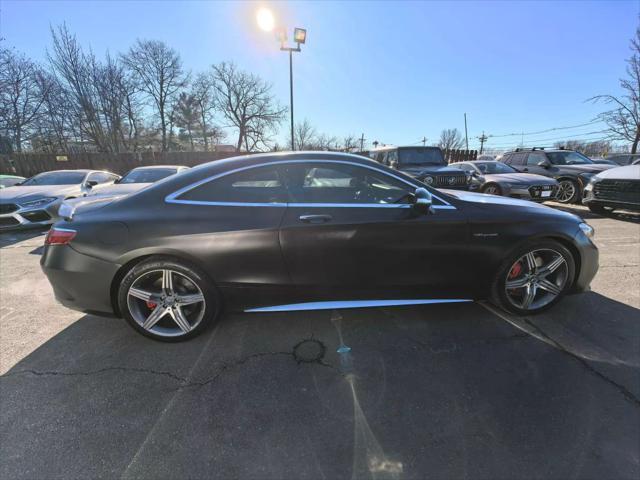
420	156
56	178
494	167
9	181
568	158
147	175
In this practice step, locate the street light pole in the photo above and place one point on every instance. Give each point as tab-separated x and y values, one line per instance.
300	37
293	145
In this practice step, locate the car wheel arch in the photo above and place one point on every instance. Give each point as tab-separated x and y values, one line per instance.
130	262
563	240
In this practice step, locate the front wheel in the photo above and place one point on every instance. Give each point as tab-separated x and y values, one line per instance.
492	189
534	278
568	191
168	300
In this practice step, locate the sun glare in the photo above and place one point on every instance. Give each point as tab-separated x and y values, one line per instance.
265	19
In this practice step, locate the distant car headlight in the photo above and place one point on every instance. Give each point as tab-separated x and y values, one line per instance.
428	180
587	230
38	203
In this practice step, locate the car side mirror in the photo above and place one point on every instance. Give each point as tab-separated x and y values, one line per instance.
544	163
422	201
91	183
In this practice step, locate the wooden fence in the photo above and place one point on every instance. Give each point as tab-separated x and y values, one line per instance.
453	156
27	165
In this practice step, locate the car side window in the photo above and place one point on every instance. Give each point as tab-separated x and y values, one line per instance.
535	158
253	185
343	184
518	159
506	158
101	177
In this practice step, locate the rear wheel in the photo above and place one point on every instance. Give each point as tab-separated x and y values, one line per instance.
168	300
568	191
534	278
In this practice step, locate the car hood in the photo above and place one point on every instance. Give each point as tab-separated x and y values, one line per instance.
523	178
118	189
27	193
588	168
629	172
495	201
431	170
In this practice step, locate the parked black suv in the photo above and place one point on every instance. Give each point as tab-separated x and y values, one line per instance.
571	169
427	164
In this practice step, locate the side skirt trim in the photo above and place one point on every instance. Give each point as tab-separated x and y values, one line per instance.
292	307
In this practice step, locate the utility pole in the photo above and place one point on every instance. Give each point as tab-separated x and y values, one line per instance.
362	143
424	141
483	138
466	136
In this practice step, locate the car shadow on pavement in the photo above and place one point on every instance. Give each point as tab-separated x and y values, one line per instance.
441	391
15	236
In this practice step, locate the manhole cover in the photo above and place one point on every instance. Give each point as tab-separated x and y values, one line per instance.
309	351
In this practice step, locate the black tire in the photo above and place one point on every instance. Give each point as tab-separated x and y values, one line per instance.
576	197
599	209
212	299
499	292
489	186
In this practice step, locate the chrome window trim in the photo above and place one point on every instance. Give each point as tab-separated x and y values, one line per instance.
342	304
173	197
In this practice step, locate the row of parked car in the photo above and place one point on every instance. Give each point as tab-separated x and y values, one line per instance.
46	197
535	174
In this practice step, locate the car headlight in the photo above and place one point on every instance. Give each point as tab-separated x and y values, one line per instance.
587	230
590	185
468	178
428	180
38	203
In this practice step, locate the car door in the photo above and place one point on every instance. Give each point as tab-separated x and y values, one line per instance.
233	227
350	232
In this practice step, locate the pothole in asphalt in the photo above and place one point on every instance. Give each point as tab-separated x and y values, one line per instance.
309	351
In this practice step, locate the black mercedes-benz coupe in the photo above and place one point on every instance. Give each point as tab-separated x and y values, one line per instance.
308	230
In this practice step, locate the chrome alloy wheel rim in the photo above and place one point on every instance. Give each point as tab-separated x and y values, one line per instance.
166	303
566	191
491	190
536	279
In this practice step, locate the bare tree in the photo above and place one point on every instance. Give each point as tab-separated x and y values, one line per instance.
450	139
187	115
325	142
350	142
202	91
20	96
160	73
246	102
304	135
623	120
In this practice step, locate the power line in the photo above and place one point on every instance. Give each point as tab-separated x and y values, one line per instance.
566	137
546	131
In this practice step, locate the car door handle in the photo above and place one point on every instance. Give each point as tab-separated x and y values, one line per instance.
315	218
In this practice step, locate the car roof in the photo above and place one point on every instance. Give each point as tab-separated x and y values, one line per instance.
153	167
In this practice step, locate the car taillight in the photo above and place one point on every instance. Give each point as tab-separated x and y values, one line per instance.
59	236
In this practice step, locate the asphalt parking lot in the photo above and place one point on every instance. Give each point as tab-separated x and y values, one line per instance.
442	391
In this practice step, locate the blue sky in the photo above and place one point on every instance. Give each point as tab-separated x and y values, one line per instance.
395	71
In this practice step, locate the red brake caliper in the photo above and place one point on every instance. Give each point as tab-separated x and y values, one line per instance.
151	305
515	270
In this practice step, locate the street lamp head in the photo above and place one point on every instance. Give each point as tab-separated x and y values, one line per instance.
299	35
265	19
